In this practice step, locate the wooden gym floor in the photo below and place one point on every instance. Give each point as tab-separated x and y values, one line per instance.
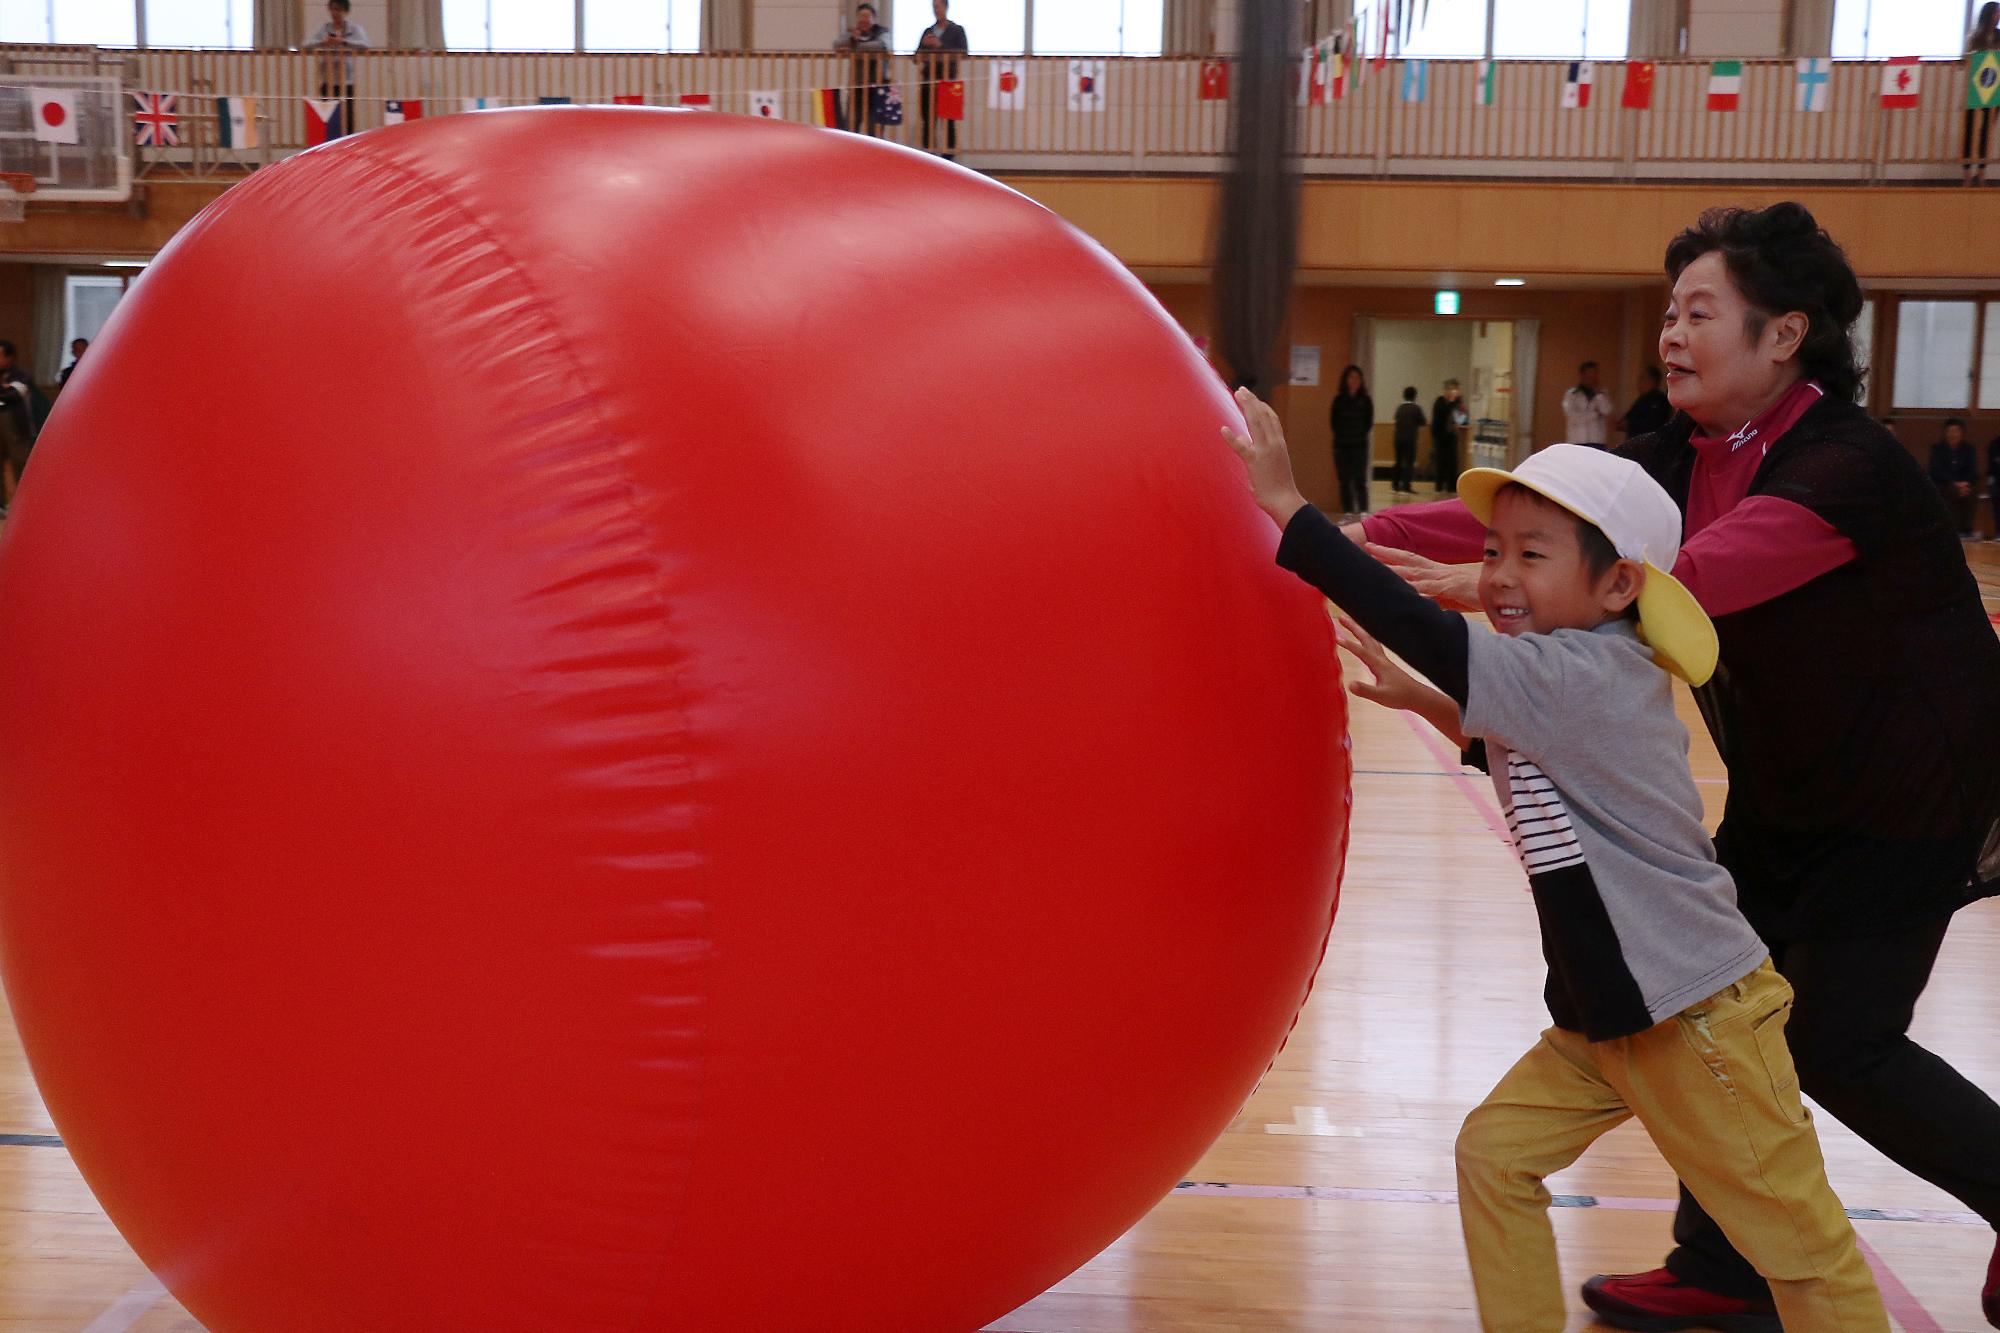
1326	1205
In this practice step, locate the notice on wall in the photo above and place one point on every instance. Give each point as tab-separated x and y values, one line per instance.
1305	365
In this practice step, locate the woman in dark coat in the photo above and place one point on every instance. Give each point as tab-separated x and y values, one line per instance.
1353	421
1857	706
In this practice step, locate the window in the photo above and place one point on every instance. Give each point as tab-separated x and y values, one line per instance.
1934	354
1879	29
1099	27
1862	335
221	23
1561	29
642	25
992	27
1449	28
87	302
81	22
509	25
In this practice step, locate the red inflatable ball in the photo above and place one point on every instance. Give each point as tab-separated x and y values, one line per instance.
625	720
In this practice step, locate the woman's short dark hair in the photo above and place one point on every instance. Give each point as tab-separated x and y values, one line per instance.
1781	260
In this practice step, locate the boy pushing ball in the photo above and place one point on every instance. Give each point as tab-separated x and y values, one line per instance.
1664	1001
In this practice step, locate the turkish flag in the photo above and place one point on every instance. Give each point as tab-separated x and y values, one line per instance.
951	100
1638	85
1215	80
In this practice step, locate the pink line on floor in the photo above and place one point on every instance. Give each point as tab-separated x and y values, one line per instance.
1467	786
127	1309
1902	1305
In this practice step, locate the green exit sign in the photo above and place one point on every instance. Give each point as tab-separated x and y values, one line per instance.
1444	303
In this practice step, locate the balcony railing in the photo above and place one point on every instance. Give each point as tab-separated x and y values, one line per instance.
1150	116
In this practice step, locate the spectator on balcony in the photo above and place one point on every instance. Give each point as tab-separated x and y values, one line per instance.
336	40
1985	36
937	63
869	41
1954	467
1650	410
1587	409
77	348
1993	485
1447	415
1353	420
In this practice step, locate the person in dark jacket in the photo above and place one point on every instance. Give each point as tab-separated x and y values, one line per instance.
1993	485
1857	706
1447	415
1353	419
1954	468
869	41
938	51
1650	410
1409	420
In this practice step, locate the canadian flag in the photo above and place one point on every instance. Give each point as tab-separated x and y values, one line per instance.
55	114
1900	81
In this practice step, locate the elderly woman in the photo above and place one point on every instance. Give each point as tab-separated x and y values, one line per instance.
1856	705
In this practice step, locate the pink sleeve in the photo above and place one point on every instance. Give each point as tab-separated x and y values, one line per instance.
1763	548
1442	530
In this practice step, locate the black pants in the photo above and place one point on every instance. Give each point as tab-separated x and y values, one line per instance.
345	93
940	137
1983	117
1849	1037
1403	475
1444	459
1350	466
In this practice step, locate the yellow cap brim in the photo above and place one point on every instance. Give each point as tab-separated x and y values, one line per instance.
1671	621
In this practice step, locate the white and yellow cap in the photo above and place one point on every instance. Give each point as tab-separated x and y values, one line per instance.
1642	523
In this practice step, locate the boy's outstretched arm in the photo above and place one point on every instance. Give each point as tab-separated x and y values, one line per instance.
1428	638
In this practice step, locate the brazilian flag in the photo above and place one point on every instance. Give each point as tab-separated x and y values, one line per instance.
1982	83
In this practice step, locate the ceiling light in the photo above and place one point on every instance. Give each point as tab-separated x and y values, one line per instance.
126	263
1510	282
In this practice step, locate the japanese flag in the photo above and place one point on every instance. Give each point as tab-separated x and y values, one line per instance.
1007	91
764	105
55	114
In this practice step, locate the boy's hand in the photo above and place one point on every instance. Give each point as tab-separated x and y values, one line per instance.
1265	457
1392	687
1453	587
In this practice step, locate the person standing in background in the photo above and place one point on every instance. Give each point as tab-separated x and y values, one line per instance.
1353	420
1447	415
336	40
1985	36
1650	410
937	64
869	41
77	348
1587	409
1409	420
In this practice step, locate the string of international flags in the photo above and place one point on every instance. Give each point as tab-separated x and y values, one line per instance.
1325	75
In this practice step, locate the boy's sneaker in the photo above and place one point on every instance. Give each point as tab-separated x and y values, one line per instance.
1659	1302
1989	1295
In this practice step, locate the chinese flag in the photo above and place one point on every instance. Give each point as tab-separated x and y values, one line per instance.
1638	85
1215	80
951	100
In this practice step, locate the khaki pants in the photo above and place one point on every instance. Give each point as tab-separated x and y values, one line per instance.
1714	1086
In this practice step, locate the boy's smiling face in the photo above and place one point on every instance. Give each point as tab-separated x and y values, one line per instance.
1535	578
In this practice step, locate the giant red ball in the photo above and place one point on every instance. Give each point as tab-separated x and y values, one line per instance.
621	719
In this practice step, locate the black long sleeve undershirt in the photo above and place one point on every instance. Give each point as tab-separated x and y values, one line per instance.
1429	638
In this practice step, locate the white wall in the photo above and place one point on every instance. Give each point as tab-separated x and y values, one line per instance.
1725	29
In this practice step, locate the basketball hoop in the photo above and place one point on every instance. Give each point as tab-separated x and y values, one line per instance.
15	187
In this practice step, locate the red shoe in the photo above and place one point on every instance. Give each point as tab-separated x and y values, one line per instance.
1989	1295
1659	1302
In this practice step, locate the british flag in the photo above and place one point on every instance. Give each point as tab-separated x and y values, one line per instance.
156	124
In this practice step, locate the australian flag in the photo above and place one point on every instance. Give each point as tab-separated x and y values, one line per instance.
887	104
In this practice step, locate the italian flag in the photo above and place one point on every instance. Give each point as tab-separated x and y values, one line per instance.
1725	83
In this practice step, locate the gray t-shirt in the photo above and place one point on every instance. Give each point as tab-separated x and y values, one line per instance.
1591	764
